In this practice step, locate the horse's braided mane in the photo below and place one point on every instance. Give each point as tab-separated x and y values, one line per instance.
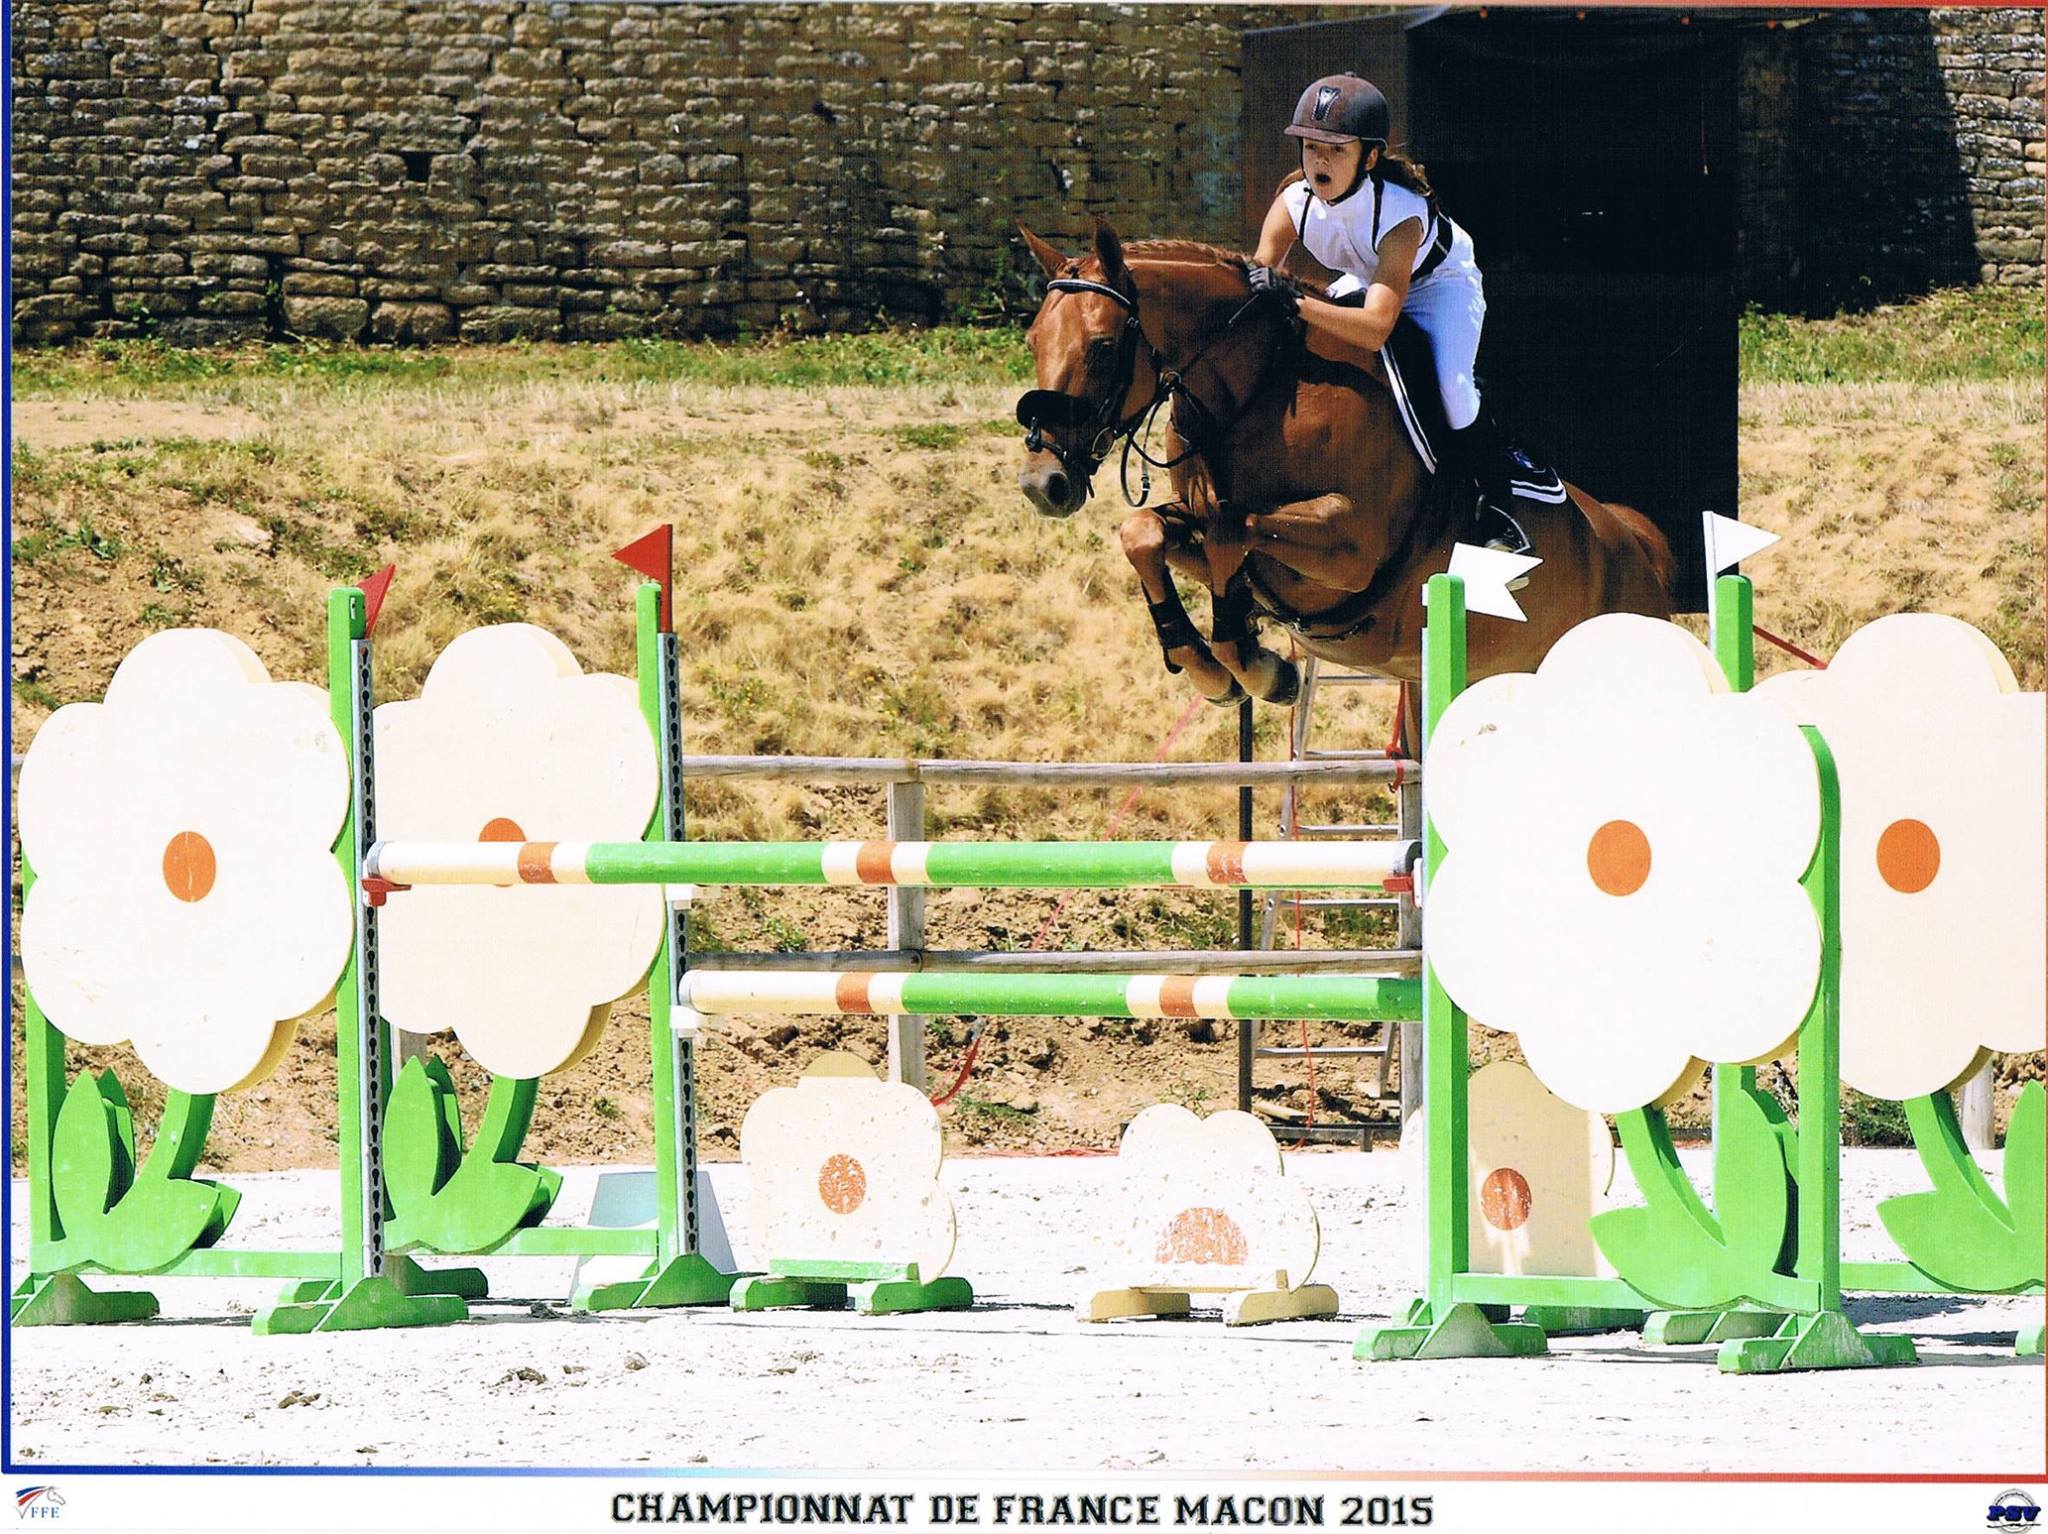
1183	250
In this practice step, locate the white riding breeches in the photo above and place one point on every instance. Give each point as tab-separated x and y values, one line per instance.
1450	306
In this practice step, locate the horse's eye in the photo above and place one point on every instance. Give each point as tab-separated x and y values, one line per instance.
1099	349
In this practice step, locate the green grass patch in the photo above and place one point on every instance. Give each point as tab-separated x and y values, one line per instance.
1951	335
56	542
1872	1121
941	355
986	1112
933	437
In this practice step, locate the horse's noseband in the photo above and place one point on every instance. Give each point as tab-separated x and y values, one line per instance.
1088	429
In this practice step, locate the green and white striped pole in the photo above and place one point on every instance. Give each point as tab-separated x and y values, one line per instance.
1337	998
988	865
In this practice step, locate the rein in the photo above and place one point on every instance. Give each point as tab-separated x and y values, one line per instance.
1099	423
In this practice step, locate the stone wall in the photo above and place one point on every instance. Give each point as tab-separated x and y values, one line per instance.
1920	152
413	170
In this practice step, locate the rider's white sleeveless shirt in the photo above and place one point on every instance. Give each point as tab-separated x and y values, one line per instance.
1345	235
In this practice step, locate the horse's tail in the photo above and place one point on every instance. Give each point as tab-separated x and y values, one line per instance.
1656	549
1647	583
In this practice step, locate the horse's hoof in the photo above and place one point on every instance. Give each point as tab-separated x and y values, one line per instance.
1230	699
1286	685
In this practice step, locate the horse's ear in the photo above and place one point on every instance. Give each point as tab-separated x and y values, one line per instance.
1109	250
1049	260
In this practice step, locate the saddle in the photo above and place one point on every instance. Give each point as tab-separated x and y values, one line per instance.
1421	409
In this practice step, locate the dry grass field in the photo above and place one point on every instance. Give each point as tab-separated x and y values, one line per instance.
861	576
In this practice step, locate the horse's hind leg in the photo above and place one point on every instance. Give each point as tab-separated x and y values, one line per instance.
1266	676
1144	539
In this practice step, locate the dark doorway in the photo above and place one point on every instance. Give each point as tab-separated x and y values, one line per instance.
1592	158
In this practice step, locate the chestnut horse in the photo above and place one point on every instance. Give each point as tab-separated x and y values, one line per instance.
1296	491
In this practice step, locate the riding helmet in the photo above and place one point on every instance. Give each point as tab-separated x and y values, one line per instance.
1338	108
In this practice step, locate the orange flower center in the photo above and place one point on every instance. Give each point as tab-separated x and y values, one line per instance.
1908	856
1504	1198
842	1184
1202	1235
189	866
1618	858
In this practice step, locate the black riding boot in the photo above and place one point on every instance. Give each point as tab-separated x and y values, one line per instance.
1481	453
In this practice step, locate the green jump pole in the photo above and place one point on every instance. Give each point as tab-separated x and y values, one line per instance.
1338	998
989	865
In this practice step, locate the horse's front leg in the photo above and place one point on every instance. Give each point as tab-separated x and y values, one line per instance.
1144	538
1266	676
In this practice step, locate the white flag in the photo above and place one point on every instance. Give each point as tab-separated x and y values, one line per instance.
1486	573
1729	542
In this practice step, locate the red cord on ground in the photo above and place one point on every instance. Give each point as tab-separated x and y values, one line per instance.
1789	648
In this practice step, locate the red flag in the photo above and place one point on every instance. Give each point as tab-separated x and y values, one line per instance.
654	557
373	591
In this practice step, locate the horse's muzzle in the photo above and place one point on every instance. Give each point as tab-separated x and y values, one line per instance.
1052	491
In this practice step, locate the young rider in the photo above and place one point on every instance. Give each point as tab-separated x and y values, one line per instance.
1367	212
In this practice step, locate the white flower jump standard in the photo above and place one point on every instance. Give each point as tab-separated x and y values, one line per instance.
988	865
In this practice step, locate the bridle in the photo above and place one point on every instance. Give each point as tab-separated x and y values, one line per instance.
1090	429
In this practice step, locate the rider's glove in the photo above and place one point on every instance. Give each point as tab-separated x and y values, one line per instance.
1270	282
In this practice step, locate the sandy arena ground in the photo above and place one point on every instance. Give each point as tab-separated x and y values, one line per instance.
1016	1383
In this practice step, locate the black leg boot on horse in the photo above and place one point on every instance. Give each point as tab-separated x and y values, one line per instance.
1481	453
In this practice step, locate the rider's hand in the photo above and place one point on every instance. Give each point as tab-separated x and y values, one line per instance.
1270	282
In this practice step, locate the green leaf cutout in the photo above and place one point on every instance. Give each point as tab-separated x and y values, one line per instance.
450	1197
114	1217
1751	1185
1962	1234
1675	1251
93	1155
419	1149
2026	1188
162	1218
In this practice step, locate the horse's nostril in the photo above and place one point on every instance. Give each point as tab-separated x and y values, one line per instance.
1056	488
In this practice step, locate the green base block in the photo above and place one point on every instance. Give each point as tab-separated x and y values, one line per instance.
1464	1332
900	1297
1566	1320
411	1278
1684	1328
1824	1341
761	1292
367	1304
405	1275
689	1280
62	1299
2028	1343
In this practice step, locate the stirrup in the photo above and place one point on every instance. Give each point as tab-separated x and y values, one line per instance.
1503	532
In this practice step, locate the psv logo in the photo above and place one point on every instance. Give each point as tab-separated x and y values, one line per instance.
1325	99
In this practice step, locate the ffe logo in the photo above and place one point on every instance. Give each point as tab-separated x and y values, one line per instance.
38	1502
